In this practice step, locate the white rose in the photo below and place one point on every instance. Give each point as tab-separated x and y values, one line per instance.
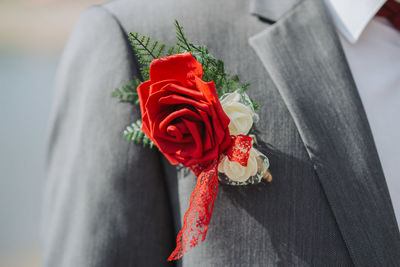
237	172
241	116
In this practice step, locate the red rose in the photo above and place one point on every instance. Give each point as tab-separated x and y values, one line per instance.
181	113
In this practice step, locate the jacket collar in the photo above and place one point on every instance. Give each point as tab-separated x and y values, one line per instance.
271	10
350	24
302	54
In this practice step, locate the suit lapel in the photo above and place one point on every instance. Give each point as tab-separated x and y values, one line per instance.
303	55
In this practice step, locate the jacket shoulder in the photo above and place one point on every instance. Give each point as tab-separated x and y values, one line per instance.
156	17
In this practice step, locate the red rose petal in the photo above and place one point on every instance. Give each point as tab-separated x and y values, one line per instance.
178	99
226	143
208	138
143	94
209	91
153	107
174	131
182	127
195	149
171	158
181	113
188	92
206	157
158	86
182	67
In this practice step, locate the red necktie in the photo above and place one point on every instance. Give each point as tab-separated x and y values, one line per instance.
391	10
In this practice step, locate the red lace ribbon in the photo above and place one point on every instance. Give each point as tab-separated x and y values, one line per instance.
239	151
197	217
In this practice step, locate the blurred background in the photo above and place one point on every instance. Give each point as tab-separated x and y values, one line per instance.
32	36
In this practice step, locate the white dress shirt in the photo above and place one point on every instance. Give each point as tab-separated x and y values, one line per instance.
372	48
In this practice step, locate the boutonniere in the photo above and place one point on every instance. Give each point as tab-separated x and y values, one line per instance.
197	115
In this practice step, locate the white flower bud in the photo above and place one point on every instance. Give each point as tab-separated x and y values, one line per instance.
237	172
241	116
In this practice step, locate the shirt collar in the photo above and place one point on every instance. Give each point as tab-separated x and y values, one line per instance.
352	16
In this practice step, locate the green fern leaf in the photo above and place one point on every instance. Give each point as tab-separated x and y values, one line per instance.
146	51
127	92
134	134
160	50
183	42
171	51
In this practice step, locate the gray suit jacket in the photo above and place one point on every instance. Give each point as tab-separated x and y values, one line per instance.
113	204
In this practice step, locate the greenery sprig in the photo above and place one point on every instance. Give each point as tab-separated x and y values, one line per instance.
128	92
147	50
133	133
